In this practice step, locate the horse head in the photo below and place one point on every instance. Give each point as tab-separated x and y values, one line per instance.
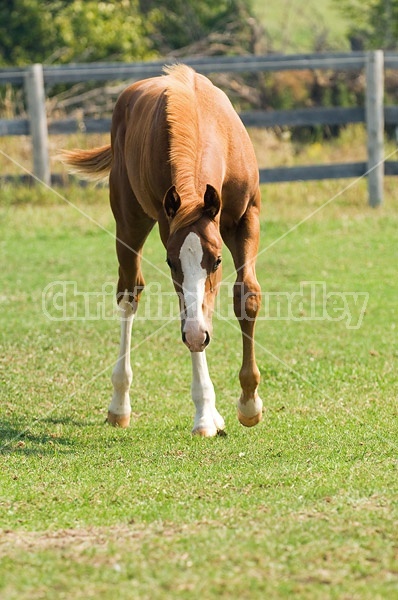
194	258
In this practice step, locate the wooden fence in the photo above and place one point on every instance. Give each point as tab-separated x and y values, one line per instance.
373	113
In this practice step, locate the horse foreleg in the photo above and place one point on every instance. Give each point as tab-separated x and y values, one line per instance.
120	408
242	240
208	421
247	303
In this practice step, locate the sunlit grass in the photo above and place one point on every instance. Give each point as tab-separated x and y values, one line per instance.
293	26
303	504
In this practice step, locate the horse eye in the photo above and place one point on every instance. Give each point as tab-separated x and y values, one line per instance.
217	263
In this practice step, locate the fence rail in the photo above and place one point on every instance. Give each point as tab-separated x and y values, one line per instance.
373	113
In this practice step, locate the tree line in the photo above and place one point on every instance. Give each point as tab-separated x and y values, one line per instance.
63	31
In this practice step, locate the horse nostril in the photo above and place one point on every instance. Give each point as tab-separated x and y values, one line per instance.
207	340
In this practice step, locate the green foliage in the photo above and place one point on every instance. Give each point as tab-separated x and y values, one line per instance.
76	30
374	23
179	23
28	33
65	31
103	31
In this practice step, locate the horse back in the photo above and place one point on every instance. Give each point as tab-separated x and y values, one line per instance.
143	146
140	142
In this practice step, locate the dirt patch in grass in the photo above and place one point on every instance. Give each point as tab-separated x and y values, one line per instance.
82	539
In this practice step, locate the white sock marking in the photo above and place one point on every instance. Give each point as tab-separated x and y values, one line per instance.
122	374
207	417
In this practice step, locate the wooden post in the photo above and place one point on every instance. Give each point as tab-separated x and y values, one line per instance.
34	86
375	124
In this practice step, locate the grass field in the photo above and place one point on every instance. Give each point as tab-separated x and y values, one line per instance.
311	26
305	504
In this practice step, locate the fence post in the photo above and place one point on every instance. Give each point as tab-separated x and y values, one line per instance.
34	87
375	124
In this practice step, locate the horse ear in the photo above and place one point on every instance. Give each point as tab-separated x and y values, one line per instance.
212	201
171	202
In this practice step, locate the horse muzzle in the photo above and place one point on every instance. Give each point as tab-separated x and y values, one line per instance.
196	342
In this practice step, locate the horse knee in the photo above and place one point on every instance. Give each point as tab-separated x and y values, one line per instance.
121	379
247	300
252	305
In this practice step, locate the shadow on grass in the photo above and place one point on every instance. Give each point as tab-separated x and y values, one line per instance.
68	421
19	438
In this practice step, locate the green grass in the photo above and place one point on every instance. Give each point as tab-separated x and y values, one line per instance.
293	26
304	504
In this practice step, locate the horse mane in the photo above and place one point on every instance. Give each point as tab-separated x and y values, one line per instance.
182	118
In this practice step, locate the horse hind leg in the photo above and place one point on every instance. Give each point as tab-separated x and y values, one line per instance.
120	407
130	287
131	235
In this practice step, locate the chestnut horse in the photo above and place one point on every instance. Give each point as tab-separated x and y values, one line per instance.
180	155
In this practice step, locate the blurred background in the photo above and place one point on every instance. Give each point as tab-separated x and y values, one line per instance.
65	31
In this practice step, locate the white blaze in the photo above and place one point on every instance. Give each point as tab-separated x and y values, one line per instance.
193	288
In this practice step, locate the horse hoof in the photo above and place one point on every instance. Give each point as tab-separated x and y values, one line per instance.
249	421
209	432
118	420
204	432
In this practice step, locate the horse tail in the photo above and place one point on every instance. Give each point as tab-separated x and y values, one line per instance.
94	164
